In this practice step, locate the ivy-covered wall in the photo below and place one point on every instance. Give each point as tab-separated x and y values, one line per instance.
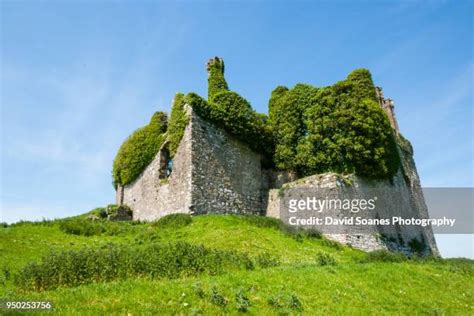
177	123
340	128
230	111
139	149
286	110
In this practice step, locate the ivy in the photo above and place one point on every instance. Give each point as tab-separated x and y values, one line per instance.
404	144
286	108
228	110
177	123
234	114
340	128
216	80
138	150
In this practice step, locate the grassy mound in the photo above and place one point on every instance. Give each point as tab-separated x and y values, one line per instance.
215	264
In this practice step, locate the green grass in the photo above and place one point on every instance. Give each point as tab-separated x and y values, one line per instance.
349	285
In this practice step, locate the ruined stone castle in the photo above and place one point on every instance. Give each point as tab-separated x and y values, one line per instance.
212	172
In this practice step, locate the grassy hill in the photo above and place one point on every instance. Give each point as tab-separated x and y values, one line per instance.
246	264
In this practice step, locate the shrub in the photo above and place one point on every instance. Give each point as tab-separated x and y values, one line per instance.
242	301
113	262
86	227
82	227
276	301
295	303
138	150
325	259
283	302
174	221
177	123
265	260
198	290
217	298
384	256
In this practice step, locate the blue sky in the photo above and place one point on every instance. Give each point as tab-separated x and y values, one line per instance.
78	77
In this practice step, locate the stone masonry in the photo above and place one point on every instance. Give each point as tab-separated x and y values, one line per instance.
215	173
212	173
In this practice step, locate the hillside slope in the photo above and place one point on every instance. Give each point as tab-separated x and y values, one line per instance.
299	273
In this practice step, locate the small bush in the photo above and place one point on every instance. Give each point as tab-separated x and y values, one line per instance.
86	227
217	298
265	260
384	256
285	302
174	221
242	301
295	303
275	301
198	290
325	259
82	227
115	262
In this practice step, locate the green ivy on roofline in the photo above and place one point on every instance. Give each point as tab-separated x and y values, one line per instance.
139	149
177	123
234	114
340	128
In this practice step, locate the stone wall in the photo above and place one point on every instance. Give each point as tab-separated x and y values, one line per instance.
150	196
226	174
394	198
215	173
212	173
412	180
